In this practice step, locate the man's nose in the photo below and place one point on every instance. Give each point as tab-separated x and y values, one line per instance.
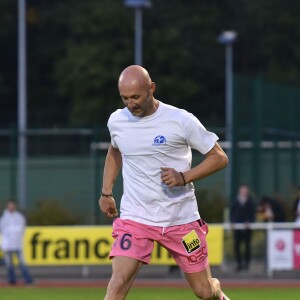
130	104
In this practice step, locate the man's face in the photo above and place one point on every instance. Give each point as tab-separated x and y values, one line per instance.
11	206
137	100
244	191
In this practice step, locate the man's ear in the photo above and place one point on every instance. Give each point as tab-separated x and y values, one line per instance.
152	88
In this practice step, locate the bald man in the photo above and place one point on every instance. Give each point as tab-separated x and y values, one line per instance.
152	142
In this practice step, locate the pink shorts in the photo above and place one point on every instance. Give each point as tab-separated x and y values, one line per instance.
186	243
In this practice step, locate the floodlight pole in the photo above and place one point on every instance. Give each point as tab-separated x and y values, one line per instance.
229	106
228	38
138	52
22	112
138	5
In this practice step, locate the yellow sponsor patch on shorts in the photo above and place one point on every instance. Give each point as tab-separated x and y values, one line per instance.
191	241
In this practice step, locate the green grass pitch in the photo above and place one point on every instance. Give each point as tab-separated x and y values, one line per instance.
36	293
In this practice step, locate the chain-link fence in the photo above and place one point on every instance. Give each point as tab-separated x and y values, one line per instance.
266	135
65	165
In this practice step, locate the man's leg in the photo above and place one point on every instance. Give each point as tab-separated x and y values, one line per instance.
124	270
248	234
237	248
11	275
24	270
192	257
204	286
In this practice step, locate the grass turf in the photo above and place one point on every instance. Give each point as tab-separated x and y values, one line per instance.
36	293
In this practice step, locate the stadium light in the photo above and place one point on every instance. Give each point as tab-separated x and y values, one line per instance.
22	103
138	5
228	38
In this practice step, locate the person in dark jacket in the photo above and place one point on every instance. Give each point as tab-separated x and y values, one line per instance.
242	212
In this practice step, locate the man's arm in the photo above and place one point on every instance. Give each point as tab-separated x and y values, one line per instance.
112	167
215	160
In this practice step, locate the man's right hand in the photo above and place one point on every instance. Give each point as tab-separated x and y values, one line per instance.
108	206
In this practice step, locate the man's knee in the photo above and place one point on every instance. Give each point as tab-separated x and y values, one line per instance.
119	284
118	281
208	291
8	259
204	293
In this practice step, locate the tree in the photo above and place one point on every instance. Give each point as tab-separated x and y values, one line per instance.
8	63
76	50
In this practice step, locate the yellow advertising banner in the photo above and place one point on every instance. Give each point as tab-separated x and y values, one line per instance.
68	245
90	245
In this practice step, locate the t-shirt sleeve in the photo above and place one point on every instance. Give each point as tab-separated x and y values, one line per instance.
111	131
113	143
197	136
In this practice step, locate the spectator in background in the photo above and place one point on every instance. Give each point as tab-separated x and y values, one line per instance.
242	212
12	227
271	210
296	207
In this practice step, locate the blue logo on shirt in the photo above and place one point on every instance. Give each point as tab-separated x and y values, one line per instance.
159	140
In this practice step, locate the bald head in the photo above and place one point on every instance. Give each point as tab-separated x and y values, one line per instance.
134	77
136	91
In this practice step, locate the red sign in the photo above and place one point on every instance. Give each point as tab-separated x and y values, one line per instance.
296	249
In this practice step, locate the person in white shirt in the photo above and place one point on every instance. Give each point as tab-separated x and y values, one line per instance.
152	142
12	227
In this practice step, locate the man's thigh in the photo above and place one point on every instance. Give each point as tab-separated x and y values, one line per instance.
8	258
131	240
187	245
126	267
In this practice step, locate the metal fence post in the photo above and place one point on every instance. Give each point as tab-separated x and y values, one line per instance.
96	162
234	139
13	161
257	129
293	119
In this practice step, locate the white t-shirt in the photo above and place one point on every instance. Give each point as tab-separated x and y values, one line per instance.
163	139
12	227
